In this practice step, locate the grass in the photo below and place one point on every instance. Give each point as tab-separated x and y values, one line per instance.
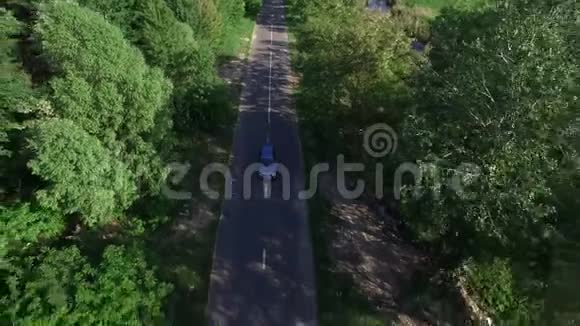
438	5
238	39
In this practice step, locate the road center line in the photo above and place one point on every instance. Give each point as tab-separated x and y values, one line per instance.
270	76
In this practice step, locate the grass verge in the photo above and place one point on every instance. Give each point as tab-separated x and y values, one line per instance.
437	5
237	40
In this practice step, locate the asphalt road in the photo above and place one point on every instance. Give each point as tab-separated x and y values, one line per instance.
263	270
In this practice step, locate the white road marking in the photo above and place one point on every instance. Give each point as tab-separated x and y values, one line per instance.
270	76
264	259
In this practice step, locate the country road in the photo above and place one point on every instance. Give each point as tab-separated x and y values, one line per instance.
263	270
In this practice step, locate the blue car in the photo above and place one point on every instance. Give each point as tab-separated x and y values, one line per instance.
269	168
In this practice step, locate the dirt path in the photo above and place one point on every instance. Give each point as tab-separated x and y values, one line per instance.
367	245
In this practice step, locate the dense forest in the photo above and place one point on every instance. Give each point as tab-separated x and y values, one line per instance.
495	87
96	98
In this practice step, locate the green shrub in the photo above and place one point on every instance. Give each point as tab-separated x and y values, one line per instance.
414	21
231	11
494	284
252	7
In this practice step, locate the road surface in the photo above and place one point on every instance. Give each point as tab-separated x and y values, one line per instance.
379	5
263	270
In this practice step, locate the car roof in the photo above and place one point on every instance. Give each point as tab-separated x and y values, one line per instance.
267	151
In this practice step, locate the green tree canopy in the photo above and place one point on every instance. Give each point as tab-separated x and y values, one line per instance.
15	91
362	81
21	225
104	86
498	95
82	176
61	287
202	16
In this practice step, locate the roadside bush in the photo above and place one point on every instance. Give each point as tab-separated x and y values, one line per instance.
415	21
231	10
494	284
252	7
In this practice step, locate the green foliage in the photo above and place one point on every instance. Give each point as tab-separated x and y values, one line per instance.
20	225
9	27
118	12
104	86
495	285
211	20
499	95
415	21
202	16
189	63
61	287
81	149
439	5
231	11
83	177
186	57
496	96
15	91
357	83
252	7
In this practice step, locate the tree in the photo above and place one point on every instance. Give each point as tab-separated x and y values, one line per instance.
103	85
203	17
171	45
496	98
354	73
61	287
15	91
185	56
22	225
81	174
231	11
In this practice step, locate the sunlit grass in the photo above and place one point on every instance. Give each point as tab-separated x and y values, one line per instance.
238	39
